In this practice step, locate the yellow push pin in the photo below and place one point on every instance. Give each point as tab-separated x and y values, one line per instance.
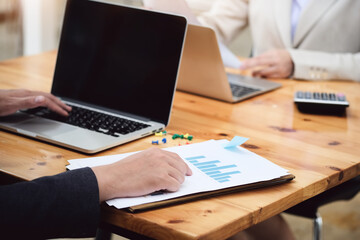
159	134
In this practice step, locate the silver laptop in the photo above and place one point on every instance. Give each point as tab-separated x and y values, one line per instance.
202	71
117	67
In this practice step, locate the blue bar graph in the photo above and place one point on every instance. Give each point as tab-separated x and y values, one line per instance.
213	168
203	168
218	168
194	158
224	174
206	163
221	181
211	173
221	178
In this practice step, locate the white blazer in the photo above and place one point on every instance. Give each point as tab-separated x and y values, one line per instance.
326	44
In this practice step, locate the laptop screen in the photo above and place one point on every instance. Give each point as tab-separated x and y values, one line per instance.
120	58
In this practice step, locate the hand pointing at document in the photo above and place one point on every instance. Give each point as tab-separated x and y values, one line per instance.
142	173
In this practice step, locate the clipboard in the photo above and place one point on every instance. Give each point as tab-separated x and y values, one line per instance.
219	167
204	195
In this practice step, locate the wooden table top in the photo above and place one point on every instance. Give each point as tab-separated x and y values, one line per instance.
321	151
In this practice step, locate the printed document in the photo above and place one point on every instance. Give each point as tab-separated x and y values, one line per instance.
214	167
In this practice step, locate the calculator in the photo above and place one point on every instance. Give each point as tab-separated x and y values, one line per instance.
321	102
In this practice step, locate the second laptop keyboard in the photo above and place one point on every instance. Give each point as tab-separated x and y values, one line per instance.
240	91
92	120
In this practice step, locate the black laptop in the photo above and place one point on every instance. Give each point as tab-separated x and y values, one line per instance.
117	67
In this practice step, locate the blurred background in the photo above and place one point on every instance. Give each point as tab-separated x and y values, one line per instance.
29	27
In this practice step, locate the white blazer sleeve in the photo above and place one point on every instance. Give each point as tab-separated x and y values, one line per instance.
227	18
315	65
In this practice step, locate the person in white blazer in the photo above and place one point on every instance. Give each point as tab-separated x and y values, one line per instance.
301	39
323	44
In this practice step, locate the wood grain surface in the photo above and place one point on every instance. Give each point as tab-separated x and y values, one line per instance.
321	151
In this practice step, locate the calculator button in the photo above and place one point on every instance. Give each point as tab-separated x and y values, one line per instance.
332	97
341	97
308	95
299	94
324	96
316	95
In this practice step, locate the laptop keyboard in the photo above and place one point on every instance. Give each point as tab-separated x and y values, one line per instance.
92	120
240	91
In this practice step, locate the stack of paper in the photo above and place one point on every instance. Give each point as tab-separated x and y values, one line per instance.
215	166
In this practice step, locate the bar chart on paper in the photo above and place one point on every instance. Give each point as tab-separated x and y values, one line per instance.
214	168
213	165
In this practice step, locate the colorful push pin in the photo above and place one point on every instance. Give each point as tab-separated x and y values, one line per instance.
160	134
155	142
175	136
164	140
187	136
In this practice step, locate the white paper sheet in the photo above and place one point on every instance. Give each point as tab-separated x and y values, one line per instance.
228	57
213	166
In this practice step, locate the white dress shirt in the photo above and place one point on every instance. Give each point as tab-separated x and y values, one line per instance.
296	9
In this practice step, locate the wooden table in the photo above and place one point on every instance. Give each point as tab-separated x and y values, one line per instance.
321	151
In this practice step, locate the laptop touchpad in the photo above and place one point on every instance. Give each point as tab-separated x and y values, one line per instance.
44	127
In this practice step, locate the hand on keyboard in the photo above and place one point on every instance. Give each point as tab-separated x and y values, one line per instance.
92	120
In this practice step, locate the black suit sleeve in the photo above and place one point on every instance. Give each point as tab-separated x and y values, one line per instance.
64	205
